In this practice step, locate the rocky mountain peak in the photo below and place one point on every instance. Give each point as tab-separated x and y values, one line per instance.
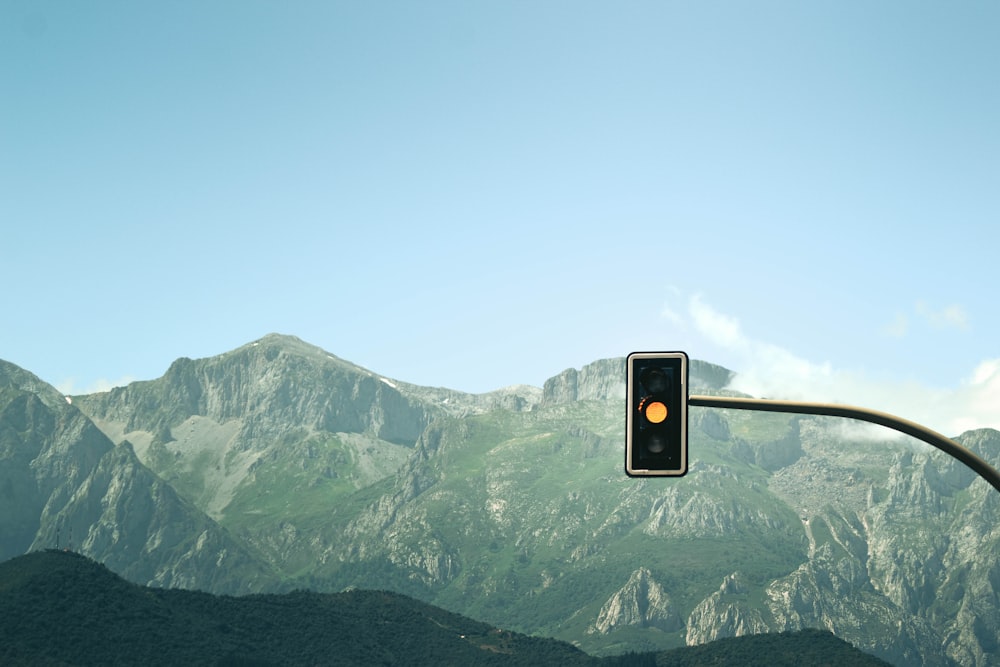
267	384
14	379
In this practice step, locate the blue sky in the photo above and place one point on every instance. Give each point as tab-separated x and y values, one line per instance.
479	194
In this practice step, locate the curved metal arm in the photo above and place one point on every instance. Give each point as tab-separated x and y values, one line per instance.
966	456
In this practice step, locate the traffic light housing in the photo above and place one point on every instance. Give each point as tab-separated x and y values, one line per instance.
656	424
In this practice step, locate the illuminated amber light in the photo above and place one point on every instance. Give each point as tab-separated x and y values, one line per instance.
656	412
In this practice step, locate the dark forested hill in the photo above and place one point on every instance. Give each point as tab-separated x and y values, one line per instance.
63	608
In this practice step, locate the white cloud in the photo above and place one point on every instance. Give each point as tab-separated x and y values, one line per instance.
977	403
766	370
720	329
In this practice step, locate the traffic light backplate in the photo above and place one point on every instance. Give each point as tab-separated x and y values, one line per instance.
656	425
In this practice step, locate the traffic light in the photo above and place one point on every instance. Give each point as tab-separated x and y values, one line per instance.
656	425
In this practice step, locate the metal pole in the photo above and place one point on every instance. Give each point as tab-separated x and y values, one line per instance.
949	446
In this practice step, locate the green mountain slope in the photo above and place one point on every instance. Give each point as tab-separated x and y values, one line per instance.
525	519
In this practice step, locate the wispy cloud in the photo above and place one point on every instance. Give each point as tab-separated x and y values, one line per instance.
898	328
767	370
68	387
952	316
667	312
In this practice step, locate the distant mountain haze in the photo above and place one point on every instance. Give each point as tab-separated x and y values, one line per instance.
279	466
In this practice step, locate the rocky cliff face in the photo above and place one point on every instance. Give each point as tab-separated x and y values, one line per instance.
127	518
640	602
726	613
267	385
68	486
47	449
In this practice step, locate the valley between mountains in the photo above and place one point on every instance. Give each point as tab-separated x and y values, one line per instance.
279	466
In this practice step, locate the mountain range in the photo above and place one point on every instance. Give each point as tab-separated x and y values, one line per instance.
279	466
